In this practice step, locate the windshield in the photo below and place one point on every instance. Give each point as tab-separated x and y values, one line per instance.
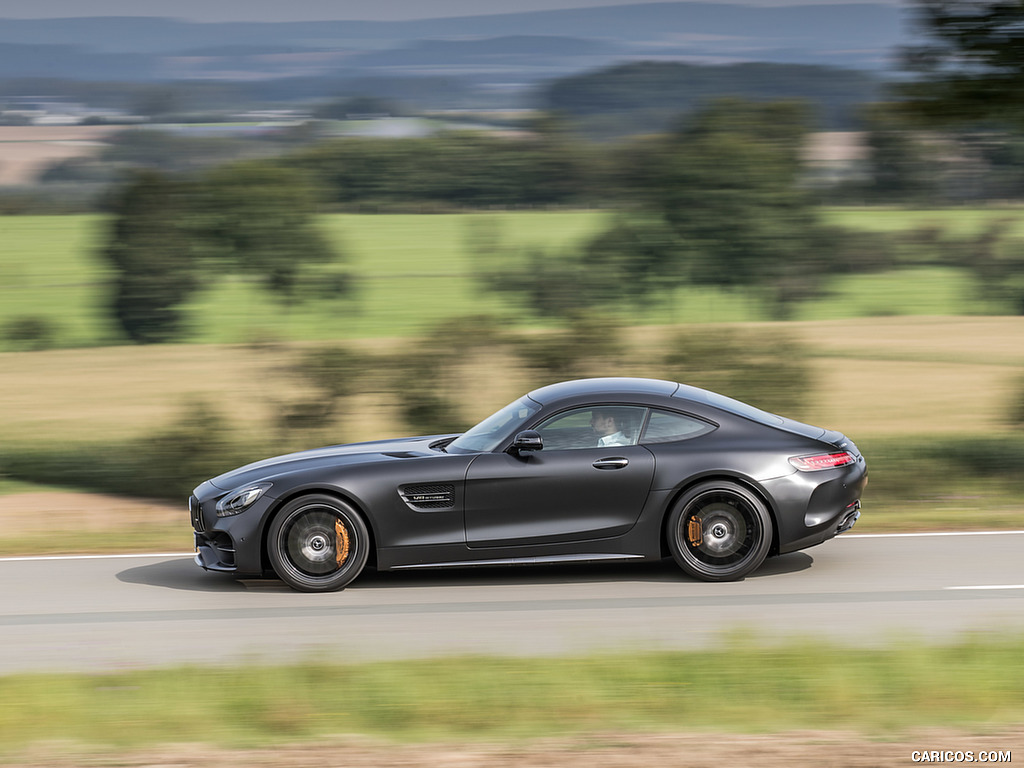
489	433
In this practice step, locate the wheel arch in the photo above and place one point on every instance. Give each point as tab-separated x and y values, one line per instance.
336	493
746	482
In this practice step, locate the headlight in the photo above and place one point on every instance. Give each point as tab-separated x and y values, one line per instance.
241	500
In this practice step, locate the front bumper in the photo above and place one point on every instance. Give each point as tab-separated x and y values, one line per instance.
227	544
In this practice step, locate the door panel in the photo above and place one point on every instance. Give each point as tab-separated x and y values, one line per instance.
551	496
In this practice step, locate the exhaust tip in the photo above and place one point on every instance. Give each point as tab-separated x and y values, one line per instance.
850	520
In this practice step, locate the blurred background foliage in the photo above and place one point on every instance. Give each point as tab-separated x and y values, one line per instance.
385	281
234	269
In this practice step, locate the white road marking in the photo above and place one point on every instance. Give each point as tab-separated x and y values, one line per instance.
33	558
990	586
924	533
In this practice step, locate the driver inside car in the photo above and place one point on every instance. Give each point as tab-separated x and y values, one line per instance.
607	427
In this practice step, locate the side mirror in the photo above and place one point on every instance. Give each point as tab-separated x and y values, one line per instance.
527	440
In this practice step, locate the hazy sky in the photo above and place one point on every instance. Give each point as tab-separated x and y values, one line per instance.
313	10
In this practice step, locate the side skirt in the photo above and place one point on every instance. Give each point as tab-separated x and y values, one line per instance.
539	560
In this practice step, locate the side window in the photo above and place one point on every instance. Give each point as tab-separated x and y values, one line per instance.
593	427
667	427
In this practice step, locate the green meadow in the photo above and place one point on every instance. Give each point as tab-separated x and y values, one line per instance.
899	359
409	271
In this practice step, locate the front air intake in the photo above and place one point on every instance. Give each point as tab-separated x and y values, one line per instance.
195	511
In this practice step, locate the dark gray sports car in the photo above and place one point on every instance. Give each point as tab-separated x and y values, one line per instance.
589	470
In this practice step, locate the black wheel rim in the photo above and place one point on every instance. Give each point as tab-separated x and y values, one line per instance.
317	541
719	529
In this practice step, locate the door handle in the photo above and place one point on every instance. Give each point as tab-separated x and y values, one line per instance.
611	463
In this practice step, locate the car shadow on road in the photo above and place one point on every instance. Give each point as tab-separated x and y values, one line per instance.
183	574
179	573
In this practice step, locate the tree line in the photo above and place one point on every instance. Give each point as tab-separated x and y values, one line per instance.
718	201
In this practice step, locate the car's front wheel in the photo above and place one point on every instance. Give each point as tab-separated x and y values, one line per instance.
719	531
317	543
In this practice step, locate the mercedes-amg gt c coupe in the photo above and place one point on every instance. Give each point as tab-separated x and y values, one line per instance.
582	471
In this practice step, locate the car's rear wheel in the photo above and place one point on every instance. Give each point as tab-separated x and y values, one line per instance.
719	531
318	543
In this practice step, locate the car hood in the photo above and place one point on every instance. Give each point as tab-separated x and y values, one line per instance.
331	456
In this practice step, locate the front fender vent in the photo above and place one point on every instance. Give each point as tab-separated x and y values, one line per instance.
432	496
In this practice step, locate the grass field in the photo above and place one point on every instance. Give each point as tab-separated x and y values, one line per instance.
412	270
409	271
25	151
897	357
895	385
740	687
876	377
895	368
955	221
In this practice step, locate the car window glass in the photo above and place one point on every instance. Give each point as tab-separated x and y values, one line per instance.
490	432
667	427
593	427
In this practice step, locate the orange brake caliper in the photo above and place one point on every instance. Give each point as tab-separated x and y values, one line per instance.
695	531
341	547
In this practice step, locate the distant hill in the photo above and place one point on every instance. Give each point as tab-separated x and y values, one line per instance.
41	61
650	96
854	35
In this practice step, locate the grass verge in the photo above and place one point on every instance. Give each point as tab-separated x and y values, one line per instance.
741	687
112	541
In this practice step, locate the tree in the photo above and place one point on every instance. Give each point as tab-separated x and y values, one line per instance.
257	220
729	189
359	108
254	219
624	264
633	260
899	164
971	66
153	251
998	265
720	203
158	101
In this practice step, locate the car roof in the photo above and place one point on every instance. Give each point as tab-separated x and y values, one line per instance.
611	386
622	388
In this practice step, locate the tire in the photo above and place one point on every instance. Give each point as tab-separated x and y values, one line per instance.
719	531
318	543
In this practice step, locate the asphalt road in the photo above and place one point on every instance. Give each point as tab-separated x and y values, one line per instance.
125	612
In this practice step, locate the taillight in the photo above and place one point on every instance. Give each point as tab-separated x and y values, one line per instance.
822	461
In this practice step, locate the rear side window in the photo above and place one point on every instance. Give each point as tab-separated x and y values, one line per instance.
668	427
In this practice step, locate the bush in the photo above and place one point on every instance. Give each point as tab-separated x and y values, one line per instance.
31	332
943	468
427	376
766	368
167	465
332	373
1015	412
591	345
